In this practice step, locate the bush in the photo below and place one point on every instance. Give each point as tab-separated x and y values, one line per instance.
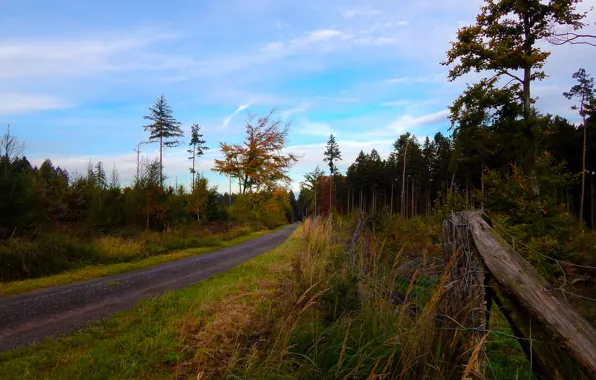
22	258
46	255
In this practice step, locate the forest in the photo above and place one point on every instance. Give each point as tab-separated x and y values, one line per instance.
52	220
358	289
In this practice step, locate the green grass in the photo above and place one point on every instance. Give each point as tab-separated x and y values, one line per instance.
97	271
505	357
144	342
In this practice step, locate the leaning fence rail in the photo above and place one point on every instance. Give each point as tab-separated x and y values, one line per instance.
558	341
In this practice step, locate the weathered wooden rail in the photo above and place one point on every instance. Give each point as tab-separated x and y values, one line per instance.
487	271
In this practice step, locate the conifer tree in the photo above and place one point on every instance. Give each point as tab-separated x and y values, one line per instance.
332	155
197	149
584	90
504	41
164	128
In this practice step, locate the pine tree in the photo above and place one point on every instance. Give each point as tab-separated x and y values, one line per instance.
332	155
165	129
505	40
198	147
584	90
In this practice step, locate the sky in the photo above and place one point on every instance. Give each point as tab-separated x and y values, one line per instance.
77	77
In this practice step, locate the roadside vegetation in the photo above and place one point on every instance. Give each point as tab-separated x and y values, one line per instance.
322	305
53	222
306	309
89	271
155	337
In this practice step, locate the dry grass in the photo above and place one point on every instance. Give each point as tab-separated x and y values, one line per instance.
114	246
233	336
321	314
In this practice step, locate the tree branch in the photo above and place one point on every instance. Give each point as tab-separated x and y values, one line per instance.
511	75
571	38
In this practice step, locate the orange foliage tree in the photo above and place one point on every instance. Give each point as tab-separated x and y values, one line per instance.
259	163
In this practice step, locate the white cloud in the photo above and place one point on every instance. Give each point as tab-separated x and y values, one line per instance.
23	103
241	108
420	79
316	36
314	128
47	57
375	41
359	12
406	122
349	13
303	107
273	46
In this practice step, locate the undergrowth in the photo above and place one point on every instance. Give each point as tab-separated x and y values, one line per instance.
47	254
336	314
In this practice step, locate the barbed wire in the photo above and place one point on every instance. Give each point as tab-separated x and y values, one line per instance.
532	249
561	288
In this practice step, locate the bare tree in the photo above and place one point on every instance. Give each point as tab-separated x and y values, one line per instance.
10	146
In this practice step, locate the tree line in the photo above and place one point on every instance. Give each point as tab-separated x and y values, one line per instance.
503	153
35	200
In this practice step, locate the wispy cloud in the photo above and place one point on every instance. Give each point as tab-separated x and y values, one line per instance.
420	79
229	118
303	107
321	35
359	11
24	103
50	57
375	41
406	122
273	46
396	103
314	128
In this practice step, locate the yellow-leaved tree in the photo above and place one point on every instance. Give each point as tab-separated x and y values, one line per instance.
259	163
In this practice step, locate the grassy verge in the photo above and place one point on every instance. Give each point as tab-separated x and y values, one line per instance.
148	341
102	270
304	310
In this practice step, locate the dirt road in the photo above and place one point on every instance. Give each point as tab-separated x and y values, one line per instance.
25	318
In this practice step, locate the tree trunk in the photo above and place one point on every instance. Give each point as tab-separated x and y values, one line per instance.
391	197
413	202
330	191
194	156
348	200
581	202
360	198
161	161
530	158
403	186
592	202
468	189
482	186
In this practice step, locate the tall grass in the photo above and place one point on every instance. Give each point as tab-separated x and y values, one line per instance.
361	317
48	254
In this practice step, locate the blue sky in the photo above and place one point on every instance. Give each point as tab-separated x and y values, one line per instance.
76	77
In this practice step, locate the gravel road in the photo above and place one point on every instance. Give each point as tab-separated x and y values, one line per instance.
25	318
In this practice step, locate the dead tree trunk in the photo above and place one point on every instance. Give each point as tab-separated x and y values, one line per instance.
464	302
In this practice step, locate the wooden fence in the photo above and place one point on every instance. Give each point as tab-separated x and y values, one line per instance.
487	272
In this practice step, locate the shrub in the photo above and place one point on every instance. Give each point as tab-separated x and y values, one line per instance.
45	255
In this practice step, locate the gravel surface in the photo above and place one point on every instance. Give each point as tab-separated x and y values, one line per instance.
25	318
